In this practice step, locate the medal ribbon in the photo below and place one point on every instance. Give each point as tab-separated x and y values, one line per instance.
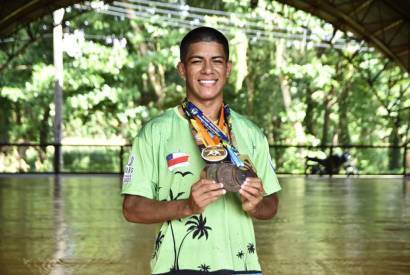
194	112
204	135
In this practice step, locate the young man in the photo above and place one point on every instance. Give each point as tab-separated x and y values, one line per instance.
188	167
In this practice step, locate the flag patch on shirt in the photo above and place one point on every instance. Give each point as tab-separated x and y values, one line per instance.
128	170
175	160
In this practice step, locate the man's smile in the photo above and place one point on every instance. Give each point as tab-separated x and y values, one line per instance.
207	82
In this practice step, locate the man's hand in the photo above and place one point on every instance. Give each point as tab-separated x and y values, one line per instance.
204	192
251	193
143	210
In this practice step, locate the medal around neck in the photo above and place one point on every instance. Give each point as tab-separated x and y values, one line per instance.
231	176
214	153
233	173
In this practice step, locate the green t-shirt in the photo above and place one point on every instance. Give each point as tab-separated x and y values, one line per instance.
164	163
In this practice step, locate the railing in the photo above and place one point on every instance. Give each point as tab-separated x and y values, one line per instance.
369	159
114	160
289	159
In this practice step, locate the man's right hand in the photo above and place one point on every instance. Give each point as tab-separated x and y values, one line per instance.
204	192
143	210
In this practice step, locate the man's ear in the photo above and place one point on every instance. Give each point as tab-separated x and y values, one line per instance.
181	70
228	68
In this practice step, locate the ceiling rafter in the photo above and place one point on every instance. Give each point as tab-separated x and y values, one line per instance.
361	21
394	36
360	6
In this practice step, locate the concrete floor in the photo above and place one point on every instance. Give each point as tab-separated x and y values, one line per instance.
75	226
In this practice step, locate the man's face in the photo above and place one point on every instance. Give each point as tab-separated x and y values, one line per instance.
205	70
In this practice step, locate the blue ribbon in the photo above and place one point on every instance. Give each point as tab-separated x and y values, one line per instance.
214	130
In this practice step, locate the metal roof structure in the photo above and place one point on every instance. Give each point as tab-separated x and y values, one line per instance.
17	13
384	24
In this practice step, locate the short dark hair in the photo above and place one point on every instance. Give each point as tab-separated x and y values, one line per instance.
202	34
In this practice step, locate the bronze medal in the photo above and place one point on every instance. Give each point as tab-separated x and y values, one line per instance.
242	173
226	175
211	170
231	176
214	153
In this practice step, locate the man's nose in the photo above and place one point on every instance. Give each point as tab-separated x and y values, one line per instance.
207	67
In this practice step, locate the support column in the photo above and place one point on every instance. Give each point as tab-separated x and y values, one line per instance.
58	86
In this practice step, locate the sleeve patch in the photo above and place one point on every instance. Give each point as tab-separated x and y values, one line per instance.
129	170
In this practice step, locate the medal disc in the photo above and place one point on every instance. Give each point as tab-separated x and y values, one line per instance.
211	171
226	175
242	173
214	153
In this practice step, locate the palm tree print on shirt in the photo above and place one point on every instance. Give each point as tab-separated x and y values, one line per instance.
204	268
251	248
158	242
197	226
156	189
172	198
241	255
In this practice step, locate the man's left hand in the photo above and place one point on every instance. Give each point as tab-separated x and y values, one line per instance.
251	194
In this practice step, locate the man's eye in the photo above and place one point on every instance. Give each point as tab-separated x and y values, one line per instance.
219	61
196	61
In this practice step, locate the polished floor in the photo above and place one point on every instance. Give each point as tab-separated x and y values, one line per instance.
73	225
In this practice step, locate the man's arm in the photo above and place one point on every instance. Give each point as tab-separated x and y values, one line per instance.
254	202
143	210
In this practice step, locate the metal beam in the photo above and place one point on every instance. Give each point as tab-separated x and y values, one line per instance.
330	12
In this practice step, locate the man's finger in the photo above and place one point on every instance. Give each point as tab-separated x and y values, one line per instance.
210	194
254	182
213	197
246	195
251	195
202	182
208	186
202	200
255	191
250	185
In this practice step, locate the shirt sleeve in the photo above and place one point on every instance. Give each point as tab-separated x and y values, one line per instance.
140	173
264	166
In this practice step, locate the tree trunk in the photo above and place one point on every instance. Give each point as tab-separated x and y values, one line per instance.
250	90
44	131
326	121
155	73
286	94
394	153
18	113
308	120
5	116
343	125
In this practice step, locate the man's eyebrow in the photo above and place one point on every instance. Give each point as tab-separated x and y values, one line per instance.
201	57
219	56
196	56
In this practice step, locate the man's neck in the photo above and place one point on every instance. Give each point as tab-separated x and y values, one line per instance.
211	108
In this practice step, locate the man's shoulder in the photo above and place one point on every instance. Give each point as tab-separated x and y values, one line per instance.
245	123
163	118
160	123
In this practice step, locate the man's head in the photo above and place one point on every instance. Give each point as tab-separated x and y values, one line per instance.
202	34
204	64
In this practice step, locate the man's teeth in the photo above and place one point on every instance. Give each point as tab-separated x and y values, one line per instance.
207	81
